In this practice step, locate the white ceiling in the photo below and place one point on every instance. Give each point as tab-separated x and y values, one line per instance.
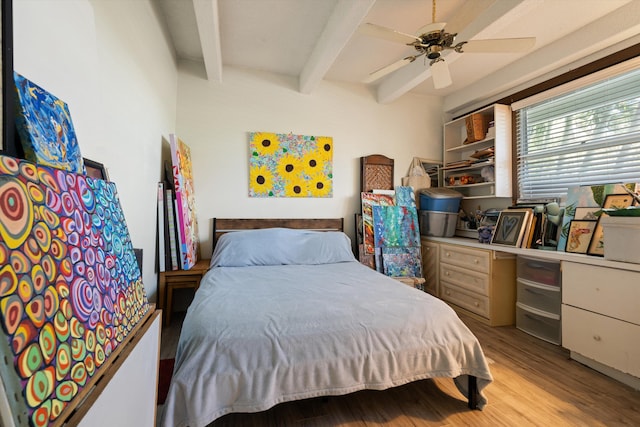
314	40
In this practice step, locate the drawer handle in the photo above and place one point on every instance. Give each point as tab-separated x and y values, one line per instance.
476	261
597	338
532	291
477	304
448	292
446	273
447	254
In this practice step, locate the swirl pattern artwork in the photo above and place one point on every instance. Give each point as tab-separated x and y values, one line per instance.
290	165
45	128
70	287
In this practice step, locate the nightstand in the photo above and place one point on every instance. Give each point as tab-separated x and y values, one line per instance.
178	279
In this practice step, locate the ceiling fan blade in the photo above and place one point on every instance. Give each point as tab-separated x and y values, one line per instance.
385	33
440	74
499	45
387	69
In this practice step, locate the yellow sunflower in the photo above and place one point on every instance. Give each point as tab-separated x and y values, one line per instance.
260	180
325	147
296	188
320	185
265	143
289	167
312	163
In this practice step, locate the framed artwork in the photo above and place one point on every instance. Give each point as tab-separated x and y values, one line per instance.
44	125
586	214
510	227
187	219
617	201
71	294
288	165
580	233
95	169
596	245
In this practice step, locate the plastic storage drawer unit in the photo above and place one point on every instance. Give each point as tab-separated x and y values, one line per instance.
540	271
538	323
542	297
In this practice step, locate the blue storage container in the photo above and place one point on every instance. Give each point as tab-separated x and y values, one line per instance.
440	200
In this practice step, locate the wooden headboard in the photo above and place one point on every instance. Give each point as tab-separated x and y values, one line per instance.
224	225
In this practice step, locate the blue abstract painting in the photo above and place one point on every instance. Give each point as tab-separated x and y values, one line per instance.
44	125
402	262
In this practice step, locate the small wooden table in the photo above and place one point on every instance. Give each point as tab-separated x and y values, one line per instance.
178	279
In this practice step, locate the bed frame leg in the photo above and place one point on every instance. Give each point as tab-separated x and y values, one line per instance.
473	392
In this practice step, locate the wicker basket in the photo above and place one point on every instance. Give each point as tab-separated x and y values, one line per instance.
476	128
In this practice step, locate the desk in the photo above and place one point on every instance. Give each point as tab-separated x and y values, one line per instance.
178	279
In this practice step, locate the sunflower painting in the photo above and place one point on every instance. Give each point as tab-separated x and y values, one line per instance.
287	165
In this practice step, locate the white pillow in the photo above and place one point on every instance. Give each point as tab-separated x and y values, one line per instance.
281	246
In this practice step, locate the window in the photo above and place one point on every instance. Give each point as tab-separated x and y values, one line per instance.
586	132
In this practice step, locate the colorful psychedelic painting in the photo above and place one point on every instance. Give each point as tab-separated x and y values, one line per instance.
70	287
44	125
397	235
290	165
185	201
369	200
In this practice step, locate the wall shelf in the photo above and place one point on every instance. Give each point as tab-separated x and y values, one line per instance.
492	178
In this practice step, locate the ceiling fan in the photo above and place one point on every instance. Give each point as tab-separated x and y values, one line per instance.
431	40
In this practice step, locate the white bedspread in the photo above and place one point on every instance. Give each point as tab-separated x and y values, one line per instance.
261	335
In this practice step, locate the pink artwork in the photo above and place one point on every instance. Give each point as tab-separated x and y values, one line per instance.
185	202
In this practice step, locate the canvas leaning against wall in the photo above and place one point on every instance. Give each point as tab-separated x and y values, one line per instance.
288	165
185	202
45	128
70	287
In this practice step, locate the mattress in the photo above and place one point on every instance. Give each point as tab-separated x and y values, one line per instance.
259	335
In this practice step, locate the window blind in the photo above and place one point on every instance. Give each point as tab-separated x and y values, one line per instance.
589	135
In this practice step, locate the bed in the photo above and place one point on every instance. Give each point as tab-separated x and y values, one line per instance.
286	312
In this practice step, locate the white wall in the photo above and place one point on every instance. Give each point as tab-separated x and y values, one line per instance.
214	121
111	63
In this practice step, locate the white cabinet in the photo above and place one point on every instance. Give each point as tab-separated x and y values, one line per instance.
483	168
479	281
601	320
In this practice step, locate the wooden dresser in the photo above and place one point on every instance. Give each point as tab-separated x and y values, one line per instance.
481	282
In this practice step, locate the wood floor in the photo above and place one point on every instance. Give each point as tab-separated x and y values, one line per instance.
535	384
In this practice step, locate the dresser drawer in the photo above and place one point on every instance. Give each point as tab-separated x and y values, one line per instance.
603	339
538	323
542	297
464	298
465	278
537	270
603	290
474	259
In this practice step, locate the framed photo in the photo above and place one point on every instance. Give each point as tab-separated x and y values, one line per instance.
580	233
596	245
586	214
95	169
617	201
510	227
